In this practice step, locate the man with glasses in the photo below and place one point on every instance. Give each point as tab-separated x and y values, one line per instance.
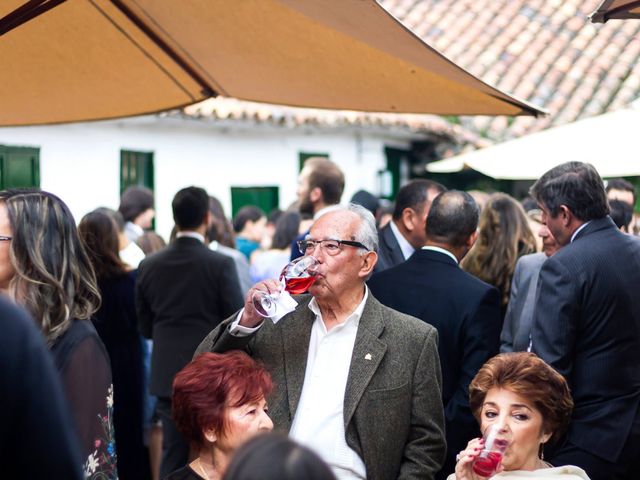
356	381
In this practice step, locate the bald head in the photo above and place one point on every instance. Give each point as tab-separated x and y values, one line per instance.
453	218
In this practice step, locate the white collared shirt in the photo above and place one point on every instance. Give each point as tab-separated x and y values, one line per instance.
319	419
578	230
190	234
441	250
405	247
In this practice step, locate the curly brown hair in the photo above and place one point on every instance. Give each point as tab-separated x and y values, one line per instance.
527	375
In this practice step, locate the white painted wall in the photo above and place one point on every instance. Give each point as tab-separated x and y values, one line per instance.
80	162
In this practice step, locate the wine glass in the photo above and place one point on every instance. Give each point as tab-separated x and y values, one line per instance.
296	278
496	441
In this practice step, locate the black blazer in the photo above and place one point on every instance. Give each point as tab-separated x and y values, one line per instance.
182	292
466	313
389	252
587	325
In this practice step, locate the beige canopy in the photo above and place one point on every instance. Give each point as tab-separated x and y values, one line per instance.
616	9
95	59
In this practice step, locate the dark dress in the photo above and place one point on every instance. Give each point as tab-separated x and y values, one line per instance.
83	363
117	325
185	473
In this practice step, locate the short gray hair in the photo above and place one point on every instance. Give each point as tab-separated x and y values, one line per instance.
367	233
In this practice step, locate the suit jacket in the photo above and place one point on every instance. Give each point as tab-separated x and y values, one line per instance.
586	324
182	292
465	311
389	252
392	409
516	330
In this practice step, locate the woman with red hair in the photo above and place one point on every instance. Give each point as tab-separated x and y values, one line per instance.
218	404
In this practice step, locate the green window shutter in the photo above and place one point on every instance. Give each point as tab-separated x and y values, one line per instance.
394	160
267	198
19	167
136	168
303	156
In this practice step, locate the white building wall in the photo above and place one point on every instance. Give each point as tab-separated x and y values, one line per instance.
80	162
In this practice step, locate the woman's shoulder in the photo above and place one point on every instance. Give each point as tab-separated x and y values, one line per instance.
80	333
566	472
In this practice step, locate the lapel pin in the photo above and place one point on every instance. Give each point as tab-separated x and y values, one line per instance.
367	356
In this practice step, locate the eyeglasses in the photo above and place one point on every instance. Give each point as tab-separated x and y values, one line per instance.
330	247
4	238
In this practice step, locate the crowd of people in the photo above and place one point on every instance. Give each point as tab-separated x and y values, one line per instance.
429	323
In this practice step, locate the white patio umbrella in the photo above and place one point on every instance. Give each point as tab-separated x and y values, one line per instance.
608	142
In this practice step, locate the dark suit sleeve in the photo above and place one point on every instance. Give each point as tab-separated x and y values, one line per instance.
143	309
220	340
510	320
425	447
480	343
230	295
555	317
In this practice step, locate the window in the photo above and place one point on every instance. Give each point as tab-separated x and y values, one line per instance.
19	167
303	156
136	168
267	198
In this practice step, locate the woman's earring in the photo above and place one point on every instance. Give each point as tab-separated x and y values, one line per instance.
541	451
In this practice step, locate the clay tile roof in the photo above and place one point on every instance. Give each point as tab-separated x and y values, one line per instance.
239	111
546	52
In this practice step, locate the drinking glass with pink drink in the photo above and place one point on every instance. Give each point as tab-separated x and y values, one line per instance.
296	278
496	441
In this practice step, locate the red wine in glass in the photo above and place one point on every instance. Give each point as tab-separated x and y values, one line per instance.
296	286
296	278
496	441
486	466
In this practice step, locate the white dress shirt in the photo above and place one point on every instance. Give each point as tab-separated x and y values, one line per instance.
405	247
190	234
319	419
441	250
578	230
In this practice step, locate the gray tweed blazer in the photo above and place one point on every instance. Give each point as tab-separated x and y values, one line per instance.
393	411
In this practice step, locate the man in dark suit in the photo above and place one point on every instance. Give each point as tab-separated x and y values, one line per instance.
586	322
357	382
465	310
182	292
320	187
406	231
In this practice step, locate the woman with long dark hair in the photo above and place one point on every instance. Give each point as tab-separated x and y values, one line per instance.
45	268
504	237
117	325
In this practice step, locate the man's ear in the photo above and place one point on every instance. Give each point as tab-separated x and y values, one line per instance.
369	261
566	215
472	238
208	220
409	219
315	195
